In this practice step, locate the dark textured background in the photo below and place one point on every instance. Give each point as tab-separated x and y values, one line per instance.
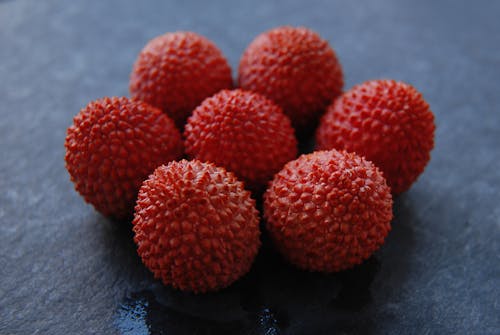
67	270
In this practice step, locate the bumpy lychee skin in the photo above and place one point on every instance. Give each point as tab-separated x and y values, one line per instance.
295	68
176	71
387	122
328	211
244	132
196	227
112	146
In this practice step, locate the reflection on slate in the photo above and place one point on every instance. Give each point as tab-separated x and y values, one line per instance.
261	303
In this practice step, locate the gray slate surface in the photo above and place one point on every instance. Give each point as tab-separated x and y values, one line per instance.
64	269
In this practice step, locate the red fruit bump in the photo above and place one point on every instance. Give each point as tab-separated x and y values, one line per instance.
328	211
244	132
387	122
195	226
297	69
112	146
176	71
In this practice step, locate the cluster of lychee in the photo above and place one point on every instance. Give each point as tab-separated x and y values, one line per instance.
195	221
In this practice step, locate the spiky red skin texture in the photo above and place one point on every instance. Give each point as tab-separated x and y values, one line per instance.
176	71
196	226
295	68
328	211
387	122
244	132
112	146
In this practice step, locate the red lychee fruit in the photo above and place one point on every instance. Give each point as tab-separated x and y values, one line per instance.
244	132
176	71
328	211
295	68
112	146
195	226
387	122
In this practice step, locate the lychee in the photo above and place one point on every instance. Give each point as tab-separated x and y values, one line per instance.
387	122
244	132
328	211
195	226
112	146
176	71
295	68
